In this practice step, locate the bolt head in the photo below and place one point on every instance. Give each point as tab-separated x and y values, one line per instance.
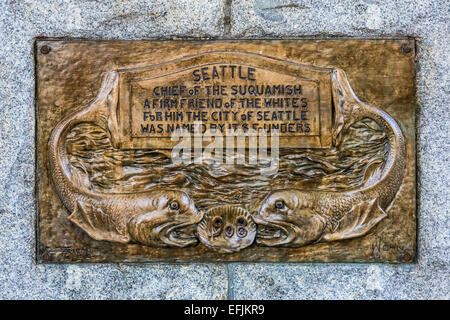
45	49
406	48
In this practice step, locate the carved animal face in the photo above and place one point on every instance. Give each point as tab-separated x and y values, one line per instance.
227	229
286	218
170	222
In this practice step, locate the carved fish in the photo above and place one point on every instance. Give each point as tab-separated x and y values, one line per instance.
155	218
295	217
227	229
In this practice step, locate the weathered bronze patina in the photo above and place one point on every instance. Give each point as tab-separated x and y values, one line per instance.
344	188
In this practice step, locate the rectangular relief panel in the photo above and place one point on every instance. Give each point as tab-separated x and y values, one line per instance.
262	150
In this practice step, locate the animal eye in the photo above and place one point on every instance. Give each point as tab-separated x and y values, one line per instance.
241	232
174	205
280	204
241	222
217	222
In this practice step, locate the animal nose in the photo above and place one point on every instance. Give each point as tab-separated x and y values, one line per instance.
229	231
242	232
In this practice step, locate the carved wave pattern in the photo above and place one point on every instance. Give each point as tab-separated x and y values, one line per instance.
97	166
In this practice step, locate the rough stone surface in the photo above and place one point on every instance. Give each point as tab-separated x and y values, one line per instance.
22	21
427	21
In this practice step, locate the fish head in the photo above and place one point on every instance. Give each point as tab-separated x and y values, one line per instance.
170	221
287	218
227	229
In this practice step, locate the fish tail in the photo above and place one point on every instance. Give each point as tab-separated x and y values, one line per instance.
345	104
98	112
349	110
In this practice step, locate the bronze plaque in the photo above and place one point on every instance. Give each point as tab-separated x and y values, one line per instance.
262	150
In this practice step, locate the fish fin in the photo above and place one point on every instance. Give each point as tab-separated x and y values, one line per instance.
358	221
97	224
373	173
80	217
335	223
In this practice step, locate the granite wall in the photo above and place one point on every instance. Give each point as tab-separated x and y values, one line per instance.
22	21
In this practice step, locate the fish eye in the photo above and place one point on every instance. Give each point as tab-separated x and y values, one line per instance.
217	222
241	221
174	205
280	204
229	231
241	232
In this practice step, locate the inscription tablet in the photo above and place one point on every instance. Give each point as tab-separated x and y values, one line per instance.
225	90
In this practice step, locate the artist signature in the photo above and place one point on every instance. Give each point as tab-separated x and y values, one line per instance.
378	247
64	252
